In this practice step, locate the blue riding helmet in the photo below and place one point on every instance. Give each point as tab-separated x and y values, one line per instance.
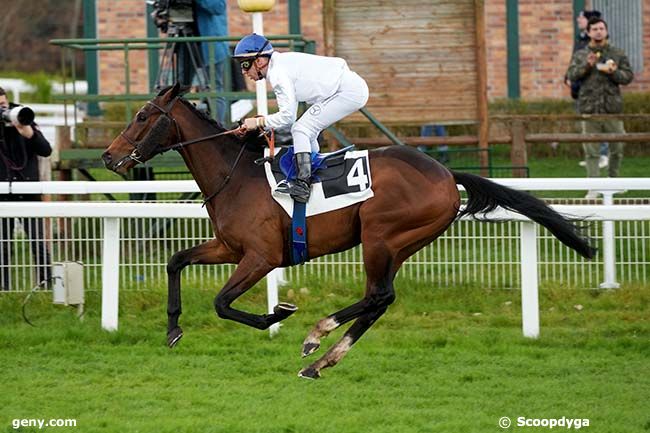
253	46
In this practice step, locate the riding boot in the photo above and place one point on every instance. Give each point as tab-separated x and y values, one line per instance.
300	187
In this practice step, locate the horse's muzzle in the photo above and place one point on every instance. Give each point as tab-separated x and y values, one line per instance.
108	159
119	166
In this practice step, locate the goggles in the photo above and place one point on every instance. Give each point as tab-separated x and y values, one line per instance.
247	63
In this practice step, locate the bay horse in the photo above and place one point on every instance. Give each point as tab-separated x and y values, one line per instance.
415	200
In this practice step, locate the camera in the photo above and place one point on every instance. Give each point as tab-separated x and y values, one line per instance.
171	13
17	114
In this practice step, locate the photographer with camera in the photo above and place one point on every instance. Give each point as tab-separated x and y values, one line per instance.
20	144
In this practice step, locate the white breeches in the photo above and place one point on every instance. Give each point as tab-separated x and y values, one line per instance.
351	95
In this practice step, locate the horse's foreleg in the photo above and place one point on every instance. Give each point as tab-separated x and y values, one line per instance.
210	252
250	270
341	348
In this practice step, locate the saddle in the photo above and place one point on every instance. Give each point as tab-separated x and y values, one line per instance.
339	179
324	166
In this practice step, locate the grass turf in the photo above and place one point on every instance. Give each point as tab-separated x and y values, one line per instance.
440	360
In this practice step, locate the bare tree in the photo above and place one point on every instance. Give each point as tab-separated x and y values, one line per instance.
26	28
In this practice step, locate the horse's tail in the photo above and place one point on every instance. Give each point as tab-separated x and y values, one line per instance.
484	196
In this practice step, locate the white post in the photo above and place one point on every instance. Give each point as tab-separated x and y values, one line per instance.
110	273
276	276
272	297
262	104
529	280
609	256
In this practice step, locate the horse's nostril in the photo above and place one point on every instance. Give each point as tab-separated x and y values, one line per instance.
107	157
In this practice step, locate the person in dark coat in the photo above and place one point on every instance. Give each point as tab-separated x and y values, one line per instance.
581	42
602	69
19	147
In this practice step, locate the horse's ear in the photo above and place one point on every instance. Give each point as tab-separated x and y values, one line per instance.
184	89
170	92
162	91
178	90
175	90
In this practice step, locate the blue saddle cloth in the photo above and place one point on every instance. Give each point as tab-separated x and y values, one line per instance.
318	162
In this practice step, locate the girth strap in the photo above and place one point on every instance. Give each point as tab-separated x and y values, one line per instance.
299	234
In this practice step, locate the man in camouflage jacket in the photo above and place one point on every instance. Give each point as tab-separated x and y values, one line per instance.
602	68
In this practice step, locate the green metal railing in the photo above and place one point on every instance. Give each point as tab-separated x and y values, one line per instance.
153	45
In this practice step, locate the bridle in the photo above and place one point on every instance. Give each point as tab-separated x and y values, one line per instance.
148	146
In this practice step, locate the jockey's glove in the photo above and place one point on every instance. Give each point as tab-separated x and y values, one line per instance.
252	123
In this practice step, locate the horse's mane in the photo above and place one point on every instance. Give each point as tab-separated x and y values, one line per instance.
202	115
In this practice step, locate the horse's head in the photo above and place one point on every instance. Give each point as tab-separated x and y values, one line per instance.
152	131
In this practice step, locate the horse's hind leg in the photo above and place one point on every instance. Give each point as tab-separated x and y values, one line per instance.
327	324
379	291
341	348
381	270
210	252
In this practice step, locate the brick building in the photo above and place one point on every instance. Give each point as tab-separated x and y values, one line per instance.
545	42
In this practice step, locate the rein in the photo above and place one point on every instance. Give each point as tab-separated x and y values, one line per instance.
144	149
226	179
182	144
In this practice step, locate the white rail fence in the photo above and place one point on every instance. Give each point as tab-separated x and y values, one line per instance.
525	241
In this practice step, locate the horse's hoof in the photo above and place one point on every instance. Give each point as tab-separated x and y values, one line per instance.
284	310
174	337
309	348
309	373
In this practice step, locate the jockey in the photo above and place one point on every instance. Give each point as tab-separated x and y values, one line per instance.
331	89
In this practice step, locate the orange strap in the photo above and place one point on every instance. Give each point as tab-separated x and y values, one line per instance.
271	142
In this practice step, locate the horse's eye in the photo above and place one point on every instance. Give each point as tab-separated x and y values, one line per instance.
141	117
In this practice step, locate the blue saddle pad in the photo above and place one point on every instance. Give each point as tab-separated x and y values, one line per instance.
319	161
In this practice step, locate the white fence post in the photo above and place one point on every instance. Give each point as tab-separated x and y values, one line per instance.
529	280
260	85
272	298
609	256
110	273
276	276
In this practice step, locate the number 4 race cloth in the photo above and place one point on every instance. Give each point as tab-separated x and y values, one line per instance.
344	182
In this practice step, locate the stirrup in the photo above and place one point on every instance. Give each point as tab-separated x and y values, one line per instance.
283	187
300	190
